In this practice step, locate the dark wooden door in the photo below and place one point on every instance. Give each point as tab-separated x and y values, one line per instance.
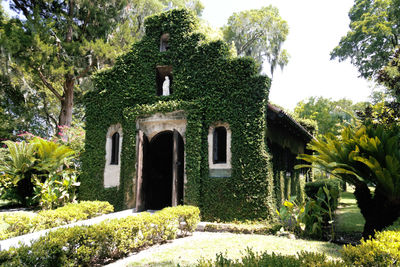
141	154
175	166
177	169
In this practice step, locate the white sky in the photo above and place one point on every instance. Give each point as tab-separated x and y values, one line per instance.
315	28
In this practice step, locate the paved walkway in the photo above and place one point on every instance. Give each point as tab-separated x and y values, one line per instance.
26	239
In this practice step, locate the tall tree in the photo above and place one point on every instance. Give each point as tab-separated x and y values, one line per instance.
373	35
390	76
18	102
330	115
61	42
59	35
259	33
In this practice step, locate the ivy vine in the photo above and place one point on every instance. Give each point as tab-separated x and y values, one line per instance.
209	85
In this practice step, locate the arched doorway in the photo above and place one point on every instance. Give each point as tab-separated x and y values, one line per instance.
160	171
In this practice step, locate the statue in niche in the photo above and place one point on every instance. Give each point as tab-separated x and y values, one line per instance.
165	86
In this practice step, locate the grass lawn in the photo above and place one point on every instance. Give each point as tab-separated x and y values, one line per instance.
187	251
349	218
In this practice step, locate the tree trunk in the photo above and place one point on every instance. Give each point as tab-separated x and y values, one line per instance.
67	101
379	211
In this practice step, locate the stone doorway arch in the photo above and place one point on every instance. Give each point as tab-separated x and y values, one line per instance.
160	175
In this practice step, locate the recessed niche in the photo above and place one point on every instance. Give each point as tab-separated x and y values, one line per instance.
164	45
164	80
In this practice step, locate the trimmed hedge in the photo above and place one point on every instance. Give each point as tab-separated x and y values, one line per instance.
23	223
103	242
251	259
260	228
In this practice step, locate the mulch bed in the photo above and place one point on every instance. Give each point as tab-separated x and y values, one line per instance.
345	238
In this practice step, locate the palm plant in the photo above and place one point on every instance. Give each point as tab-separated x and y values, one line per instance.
51	156
15	169
364	156
29	164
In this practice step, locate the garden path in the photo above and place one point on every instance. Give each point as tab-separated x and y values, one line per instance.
349	222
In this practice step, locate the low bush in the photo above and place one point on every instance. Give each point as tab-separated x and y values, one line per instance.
38	171
18	223
187	216
248	227
251	259
309	218
104	242
383	250
319	214
290	215
24	223
311	189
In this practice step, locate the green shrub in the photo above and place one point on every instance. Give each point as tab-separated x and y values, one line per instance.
24	223
311	189
19	223
290	214
246	227
313	218
309	218
319	212
38	172
73	213
188	217
383	250
251	259
56	189
103	242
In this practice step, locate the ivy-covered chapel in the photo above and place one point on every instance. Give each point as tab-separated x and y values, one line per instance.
180	120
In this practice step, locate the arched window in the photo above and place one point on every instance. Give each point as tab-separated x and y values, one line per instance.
219	145
114	149
219	150
164	46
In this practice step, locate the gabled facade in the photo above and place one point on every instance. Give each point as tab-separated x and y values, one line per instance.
179	120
